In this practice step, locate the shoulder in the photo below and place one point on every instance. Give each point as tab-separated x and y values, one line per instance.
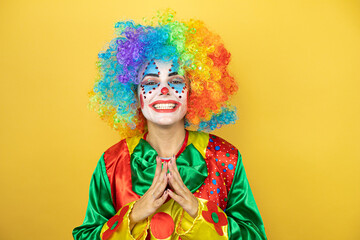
120	151
225	156
126	144
213	145
116	148
221	148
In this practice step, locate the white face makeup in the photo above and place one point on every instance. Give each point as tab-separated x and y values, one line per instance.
162	92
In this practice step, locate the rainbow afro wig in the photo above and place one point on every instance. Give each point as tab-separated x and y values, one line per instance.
202	59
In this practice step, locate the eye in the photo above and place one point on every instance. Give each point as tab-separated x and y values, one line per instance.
150	82
177	81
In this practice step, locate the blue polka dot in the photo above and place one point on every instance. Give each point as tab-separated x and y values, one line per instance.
214	181
230	167
218	190
212	192
208	148
211	140
216	159
224	170
217	148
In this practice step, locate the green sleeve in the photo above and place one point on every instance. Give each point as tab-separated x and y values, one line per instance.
244	220
100	206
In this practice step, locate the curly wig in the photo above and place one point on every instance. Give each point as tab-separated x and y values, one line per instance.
201	55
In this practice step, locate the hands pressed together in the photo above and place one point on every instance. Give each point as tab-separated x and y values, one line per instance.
157	194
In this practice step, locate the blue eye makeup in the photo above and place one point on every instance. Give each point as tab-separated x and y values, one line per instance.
174	68
151	77
177	85
151	69
149	86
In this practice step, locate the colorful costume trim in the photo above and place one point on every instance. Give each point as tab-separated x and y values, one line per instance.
118	227
114	223
227	209
215	217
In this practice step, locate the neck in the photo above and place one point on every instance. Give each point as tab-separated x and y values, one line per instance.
166	140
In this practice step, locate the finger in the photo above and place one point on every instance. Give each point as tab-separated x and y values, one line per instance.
158	169
160	174
164	171
173	162
173	169
161	184
160	201
170	184
176	197
175	174
179	188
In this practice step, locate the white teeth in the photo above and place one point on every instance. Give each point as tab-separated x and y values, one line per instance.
165	106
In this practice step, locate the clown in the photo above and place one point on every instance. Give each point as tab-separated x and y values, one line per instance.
160	86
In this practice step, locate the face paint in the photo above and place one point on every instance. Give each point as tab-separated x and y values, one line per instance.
141	101
162	92
178	86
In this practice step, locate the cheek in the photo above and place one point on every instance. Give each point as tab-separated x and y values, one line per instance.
147	90
184	92
141	101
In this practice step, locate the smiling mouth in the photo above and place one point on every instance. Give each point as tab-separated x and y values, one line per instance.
165	106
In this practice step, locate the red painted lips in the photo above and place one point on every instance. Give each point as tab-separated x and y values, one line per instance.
177	105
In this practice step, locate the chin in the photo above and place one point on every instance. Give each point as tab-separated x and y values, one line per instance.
166	121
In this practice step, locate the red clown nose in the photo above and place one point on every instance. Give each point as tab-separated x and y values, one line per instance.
164	90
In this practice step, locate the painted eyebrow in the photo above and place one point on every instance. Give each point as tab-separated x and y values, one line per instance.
151	75
173	73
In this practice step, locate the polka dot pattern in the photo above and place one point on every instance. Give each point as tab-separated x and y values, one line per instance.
221	159
162	225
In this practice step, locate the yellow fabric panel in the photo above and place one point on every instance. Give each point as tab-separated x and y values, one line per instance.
173	209
132	142
198	228
139	231
187	227
200	141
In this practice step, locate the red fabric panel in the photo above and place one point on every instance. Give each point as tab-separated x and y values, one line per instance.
117	162
219	155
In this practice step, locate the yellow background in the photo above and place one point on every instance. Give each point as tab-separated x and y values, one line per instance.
297	64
